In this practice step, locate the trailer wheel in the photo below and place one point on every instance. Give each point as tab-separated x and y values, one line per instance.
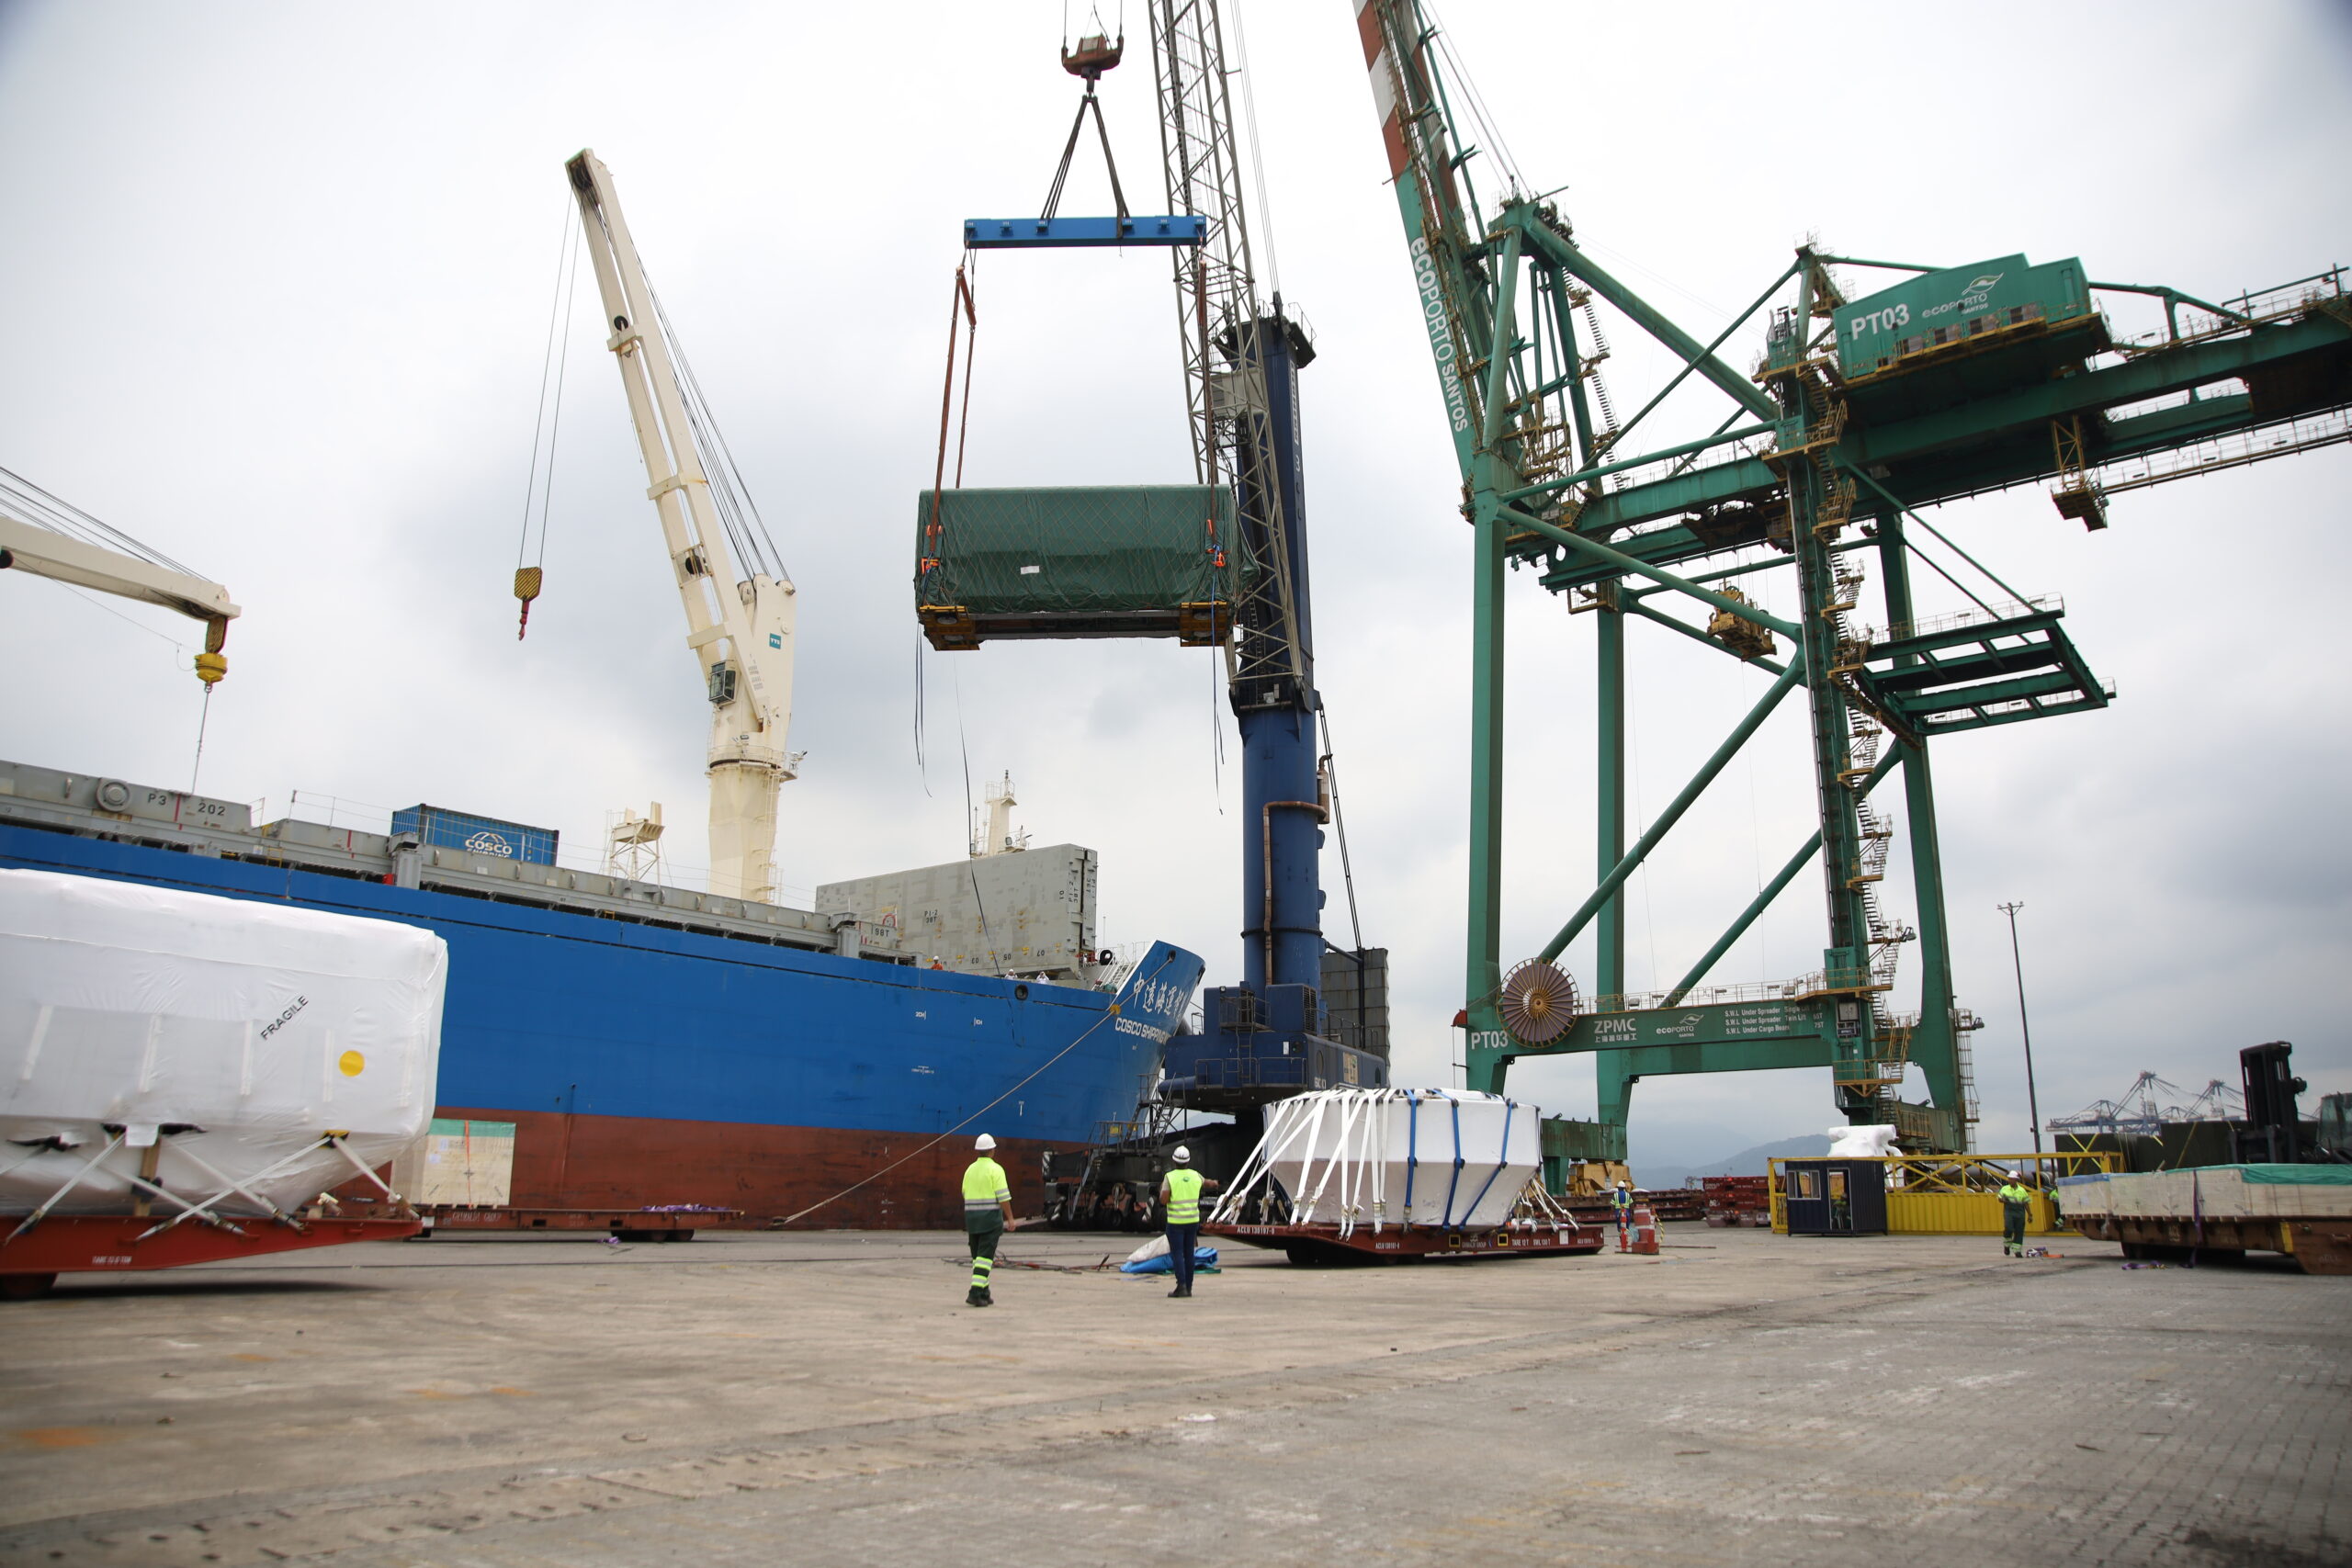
25	1287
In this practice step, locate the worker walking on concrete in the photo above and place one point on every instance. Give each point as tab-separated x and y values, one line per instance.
987	1210
1620	1202
1179	1200
2016	1202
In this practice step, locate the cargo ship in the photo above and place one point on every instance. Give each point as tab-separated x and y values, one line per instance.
648	1045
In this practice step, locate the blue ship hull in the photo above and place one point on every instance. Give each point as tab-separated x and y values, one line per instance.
643	1065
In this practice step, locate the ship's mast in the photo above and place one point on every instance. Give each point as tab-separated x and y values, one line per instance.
739	627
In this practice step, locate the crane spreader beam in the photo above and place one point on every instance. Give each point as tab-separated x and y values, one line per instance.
1066	234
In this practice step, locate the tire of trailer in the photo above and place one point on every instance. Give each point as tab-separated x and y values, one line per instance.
25	1287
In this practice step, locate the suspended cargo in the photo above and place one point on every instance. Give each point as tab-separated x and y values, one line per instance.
1076	561
178	1050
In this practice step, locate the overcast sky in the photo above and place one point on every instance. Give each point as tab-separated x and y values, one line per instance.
279	279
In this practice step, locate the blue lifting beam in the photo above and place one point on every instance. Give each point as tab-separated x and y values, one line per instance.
1063	234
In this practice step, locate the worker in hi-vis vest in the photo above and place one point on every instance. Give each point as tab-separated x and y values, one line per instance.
988	1209
1621	1203
1180	1201
2017	1203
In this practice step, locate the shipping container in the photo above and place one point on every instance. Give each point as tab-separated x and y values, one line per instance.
479	835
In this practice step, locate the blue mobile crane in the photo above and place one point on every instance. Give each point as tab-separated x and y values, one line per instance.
1222	563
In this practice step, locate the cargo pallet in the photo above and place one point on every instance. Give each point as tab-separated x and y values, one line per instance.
627	1224
30	1260
1314	1244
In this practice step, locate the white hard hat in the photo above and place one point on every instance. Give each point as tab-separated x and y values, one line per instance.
984	1143
1182	1156
1622	1181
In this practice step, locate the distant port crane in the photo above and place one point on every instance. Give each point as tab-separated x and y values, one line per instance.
1860	411
2152	1102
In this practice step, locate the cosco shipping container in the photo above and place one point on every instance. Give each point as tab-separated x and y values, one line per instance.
481	835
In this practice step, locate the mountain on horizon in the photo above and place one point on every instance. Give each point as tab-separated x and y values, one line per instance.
1747	1162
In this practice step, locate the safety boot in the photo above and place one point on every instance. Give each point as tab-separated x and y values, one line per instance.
975	1297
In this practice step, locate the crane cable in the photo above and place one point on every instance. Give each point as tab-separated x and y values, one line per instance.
1109	1013
555	360
963	318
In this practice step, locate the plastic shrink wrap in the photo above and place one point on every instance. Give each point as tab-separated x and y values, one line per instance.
1385	1157
204	1032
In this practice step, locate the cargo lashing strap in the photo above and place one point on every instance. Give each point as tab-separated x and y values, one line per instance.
203	1210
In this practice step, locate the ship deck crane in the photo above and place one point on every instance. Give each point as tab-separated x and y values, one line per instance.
1861	411
48	551
739	622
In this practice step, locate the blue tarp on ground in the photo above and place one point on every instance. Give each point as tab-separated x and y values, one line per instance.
1203	1258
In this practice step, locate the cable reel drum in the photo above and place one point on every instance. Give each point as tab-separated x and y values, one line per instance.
1538	1003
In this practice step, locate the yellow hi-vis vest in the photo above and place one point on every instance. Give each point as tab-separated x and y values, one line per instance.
1183	1197
984	1189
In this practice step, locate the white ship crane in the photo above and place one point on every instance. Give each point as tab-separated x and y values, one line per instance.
53	538
739	625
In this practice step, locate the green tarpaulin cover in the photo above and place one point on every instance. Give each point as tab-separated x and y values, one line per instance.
2296	1175
1076	549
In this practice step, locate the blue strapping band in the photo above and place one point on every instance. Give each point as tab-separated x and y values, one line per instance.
1502	1160
1413	1149
1454	1176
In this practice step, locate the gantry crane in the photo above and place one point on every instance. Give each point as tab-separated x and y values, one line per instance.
739	625
1861	411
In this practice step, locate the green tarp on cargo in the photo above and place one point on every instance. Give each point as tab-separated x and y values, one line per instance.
1077	549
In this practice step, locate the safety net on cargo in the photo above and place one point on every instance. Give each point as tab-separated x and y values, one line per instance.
1094	560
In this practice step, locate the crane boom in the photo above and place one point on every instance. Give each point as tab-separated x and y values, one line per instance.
737	628
45	553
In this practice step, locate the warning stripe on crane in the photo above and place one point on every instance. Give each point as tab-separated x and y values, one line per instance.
1383	85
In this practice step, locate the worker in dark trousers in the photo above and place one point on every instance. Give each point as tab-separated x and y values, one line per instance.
987	1210
1180	1202
1621	1203
2016	1202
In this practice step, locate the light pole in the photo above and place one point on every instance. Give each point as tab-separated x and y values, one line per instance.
2032	1104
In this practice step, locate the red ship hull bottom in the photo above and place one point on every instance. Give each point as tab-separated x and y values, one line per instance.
849	1179
111	1243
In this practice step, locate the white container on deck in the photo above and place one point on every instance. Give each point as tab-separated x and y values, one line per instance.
213	1042
1449	1159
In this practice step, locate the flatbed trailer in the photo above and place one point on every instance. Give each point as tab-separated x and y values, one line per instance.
30	1260
2303	1210
1329	1243
625	1225
2317	1246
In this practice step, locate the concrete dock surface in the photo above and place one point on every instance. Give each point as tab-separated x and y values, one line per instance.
824	1397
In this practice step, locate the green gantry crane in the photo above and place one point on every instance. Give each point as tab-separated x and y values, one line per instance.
1952	382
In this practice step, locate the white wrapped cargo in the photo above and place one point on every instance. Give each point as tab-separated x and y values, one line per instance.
1449	1159
213	1043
